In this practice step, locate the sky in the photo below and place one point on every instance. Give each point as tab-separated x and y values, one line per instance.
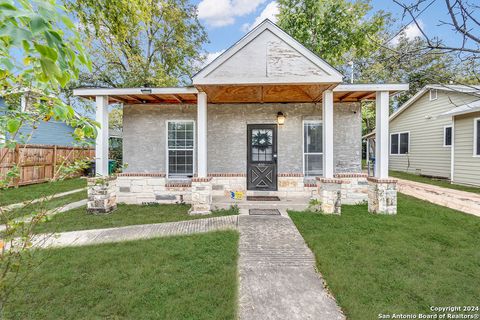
226	21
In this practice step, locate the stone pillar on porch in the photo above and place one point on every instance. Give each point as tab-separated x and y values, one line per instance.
382	191
330	195
102	195
382	195
201	195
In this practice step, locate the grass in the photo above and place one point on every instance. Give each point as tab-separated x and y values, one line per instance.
187	277
437	182
35	191
426	255
47	205
79	219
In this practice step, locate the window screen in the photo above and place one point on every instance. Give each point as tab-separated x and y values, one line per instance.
404	143
394	143
313	148
477	138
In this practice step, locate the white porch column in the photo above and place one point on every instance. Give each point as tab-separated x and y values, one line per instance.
101	144
381	135
202	134
327	118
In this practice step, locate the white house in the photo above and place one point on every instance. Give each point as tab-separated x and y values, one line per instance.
267	117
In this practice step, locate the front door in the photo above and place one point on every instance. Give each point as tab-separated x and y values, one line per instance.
262	157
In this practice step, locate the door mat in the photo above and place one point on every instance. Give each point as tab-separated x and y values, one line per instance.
263	198
264	212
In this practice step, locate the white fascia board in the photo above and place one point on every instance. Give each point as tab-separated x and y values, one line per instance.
132	91
260	81
466	108
371	87
200	77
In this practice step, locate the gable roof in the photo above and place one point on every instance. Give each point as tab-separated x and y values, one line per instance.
248	51
467	89
466	108
448	88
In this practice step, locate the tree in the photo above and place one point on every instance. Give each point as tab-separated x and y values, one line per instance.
336	30
40	52
139	43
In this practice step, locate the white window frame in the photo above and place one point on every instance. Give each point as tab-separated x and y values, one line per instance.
303	146
167	164
445	135
433	97
475	127
398	150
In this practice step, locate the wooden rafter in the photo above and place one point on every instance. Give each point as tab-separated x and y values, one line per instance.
341	98
365	95
135	99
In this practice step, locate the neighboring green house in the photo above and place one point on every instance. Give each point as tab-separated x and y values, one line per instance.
425	140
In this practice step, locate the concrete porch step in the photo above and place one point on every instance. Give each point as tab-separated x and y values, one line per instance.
294	203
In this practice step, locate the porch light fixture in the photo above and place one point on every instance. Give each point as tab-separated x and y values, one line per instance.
280	118
146	90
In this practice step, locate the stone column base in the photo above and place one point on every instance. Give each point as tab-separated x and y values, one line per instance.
102	195
330	195
201	196
382	196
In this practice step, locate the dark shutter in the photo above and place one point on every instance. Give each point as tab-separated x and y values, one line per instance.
403	143
394	143
448	136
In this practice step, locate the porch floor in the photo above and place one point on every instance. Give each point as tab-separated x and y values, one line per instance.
285	203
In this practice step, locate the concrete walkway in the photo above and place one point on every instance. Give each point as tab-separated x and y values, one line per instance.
136	232
24	203
277	273
52	212
467	202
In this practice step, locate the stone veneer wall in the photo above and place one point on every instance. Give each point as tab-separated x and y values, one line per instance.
102	195
354	187
382	195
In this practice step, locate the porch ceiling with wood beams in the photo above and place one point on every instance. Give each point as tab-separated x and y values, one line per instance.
217	94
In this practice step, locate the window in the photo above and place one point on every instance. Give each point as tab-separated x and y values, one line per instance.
447	136
399	143
476	137
433	94
180	148
312	148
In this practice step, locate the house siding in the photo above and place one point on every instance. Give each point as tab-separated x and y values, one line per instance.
466	167
427	155
144	135
49	133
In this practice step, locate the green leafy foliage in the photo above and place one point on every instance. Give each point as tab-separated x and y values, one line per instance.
336	30
141	42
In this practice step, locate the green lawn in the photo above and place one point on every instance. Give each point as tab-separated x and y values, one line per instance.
35	191
47	205
187	277
79	219
426	255
437	182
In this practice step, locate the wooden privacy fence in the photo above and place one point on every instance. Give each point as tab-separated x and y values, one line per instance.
39	163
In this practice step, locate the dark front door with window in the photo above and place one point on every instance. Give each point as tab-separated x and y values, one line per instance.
262	157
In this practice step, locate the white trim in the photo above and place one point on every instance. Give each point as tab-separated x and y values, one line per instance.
303	144
475	126
333	76
433	97
382	145
371	87
464	109
390	144
202	116
132	91
167	174
452	152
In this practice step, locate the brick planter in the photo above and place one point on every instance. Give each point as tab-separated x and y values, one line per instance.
102	195
382	196
330	195
201	195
